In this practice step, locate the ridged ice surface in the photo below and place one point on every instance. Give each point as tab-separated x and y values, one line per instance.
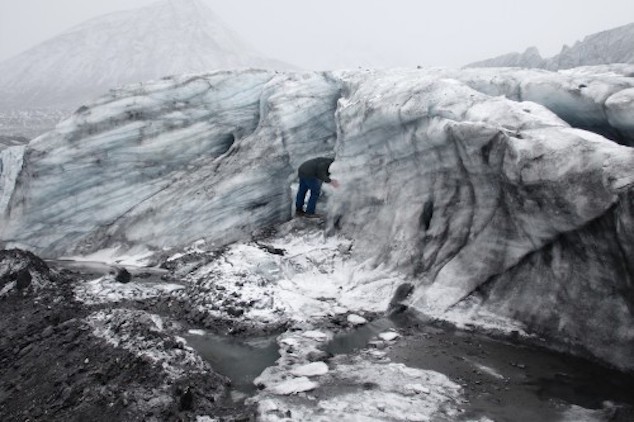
11	159
452	178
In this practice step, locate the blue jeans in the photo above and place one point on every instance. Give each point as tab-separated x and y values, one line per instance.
313	185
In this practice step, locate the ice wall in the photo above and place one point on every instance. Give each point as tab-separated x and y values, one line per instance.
167	163
10	167
582	97
466	194
447	177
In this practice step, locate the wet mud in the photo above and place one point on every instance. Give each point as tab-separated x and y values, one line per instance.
53	367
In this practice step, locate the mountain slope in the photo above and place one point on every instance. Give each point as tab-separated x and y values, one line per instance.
165	38
611	46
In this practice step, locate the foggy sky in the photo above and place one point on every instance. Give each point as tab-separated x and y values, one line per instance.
327	34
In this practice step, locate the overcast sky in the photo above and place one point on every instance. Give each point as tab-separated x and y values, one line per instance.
343	33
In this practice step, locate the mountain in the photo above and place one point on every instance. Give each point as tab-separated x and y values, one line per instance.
165	38
530	59
606	47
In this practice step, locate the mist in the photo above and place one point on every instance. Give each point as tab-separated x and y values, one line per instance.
333	34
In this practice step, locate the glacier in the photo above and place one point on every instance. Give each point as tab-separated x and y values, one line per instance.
472	184
11	159
583	97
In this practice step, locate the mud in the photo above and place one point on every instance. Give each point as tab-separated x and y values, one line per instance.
53	367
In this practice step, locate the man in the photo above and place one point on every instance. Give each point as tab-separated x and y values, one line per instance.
312	174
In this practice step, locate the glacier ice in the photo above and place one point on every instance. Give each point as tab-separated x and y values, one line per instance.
11	159
470	183
619	109
578	96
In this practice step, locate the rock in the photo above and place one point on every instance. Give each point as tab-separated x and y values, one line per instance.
25	350
377	354
47	331
417	417
377	344
339	310
268	405
355	319
235	312
22	268
23	279
401	293
122	275
418	388
186	400
318	355
271	249
310	369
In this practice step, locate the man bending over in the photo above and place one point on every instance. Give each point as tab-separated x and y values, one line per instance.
312	174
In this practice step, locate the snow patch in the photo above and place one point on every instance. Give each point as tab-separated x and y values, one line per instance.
293	386
398	393
486	370
355	319
315	335
310	369
389	336
7	288
418	388
107	290
315	279
144	335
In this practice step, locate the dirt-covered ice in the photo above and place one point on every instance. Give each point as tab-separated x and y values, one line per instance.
126	351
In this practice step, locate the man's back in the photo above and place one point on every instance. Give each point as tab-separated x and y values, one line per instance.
316	167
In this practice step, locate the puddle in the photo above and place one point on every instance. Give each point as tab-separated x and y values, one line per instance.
358	338
98	269
242	360
502	380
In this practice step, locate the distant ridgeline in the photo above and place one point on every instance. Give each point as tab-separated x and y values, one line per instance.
606	47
